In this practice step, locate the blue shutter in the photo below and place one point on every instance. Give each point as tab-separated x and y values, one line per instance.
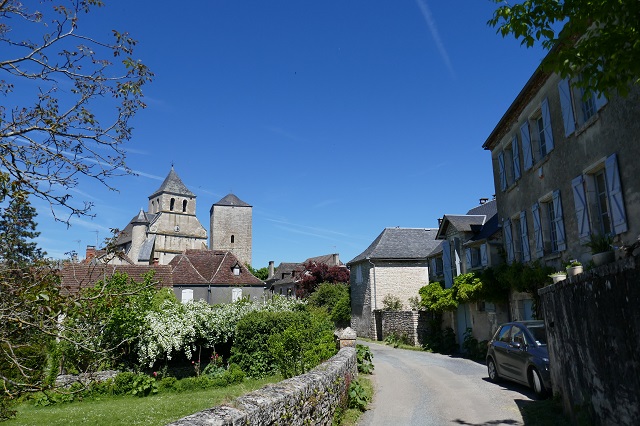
558	220
582	213
616	199
546	121
566	105
508	240
484	256
524	233
446	264
433	267
502	170
467	253
526	145
516	158
537	230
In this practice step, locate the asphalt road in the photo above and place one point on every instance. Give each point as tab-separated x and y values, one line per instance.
420	388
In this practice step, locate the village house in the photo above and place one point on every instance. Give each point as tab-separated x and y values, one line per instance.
394	264
283	280
565	166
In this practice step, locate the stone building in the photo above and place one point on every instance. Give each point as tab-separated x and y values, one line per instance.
231	221
565	166
169	227
394	264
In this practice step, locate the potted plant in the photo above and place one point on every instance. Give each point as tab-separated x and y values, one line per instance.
558	276
601	249
574	268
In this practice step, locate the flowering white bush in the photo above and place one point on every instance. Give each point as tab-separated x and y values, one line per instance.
182	327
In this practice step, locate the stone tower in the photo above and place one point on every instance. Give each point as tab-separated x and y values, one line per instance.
230	220
173	225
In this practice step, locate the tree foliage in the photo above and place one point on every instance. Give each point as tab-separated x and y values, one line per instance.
53	78
335	300
17	231
261	274
596	40
435	298
316	273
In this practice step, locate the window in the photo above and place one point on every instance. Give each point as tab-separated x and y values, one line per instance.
552	231
516	158
236	270
517	238
233	238
358	274
542	146
184	206
599	200
504	335
524	237
473	257
236	294
187	295
586	106
548	225
508	240
172	204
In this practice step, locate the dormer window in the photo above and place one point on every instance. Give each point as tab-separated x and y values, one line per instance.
236	269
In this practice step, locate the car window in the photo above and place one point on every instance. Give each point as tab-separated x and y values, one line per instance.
539	334
517	335
503	334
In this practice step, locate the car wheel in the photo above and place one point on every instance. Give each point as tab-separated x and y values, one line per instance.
536	384
493	370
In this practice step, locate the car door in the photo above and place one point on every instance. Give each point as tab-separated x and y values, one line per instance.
518	355
501	350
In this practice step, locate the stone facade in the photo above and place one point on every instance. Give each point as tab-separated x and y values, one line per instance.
565	167
308	399
593	332
231	227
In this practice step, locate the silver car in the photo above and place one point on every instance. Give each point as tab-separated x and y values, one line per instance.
518	352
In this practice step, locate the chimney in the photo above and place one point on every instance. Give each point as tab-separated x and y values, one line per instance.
336	259
155	261
483	200
271	271
91	253
439	222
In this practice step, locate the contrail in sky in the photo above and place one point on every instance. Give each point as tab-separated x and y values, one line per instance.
431	23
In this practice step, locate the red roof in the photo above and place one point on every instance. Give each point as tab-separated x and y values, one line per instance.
210	267
75	276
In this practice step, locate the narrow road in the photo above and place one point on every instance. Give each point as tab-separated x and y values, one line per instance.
420	388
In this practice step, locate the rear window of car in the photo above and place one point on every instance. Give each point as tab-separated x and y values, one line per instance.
539	334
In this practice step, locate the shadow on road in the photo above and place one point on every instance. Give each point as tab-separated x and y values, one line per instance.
490	422
514	387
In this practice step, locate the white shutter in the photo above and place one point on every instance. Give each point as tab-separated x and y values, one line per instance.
616	198
484	256
516	158
508	240
537	230
566	105
524	234
558	221
526	145
186	295
446	264
502	171
236	294
546	122
582	213
467	253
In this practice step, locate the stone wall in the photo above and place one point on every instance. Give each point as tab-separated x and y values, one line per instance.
593	328
413	324
307	399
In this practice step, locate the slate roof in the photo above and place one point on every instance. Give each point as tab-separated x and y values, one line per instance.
209	267
490	227
327	259
283	273
400	243
142	217
474	221
75	276
231	200
489	208
173	185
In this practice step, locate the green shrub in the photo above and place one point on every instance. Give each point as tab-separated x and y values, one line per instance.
391	303
395	339
335	299
472	348
167	384
123	383
144	385
358	396
365	359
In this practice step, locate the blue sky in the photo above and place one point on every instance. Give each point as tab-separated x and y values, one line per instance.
334	119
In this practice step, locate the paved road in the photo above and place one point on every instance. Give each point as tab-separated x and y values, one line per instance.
419	388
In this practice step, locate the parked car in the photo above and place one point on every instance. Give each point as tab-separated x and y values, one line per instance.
518	352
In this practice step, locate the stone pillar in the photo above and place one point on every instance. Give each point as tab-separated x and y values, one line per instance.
347	339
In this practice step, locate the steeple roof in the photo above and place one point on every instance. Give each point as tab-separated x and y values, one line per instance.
173	185
231	200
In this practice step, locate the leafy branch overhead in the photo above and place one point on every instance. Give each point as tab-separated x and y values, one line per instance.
53	80
595	41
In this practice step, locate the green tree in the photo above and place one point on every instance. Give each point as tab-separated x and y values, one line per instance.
53	75
335	300
17	230
261	274
595	40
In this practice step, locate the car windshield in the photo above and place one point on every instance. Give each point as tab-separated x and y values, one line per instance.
539	334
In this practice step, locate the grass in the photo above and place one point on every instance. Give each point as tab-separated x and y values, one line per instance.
352	415
128	410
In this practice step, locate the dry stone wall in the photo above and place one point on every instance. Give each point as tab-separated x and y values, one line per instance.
311	398
412	324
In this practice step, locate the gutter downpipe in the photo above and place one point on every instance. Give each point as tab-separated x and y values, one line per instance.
375	295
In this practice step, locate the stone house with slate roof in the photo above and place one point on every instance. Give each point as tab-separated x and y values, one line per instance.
283	279
394	264
215	276
565	167
469	242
